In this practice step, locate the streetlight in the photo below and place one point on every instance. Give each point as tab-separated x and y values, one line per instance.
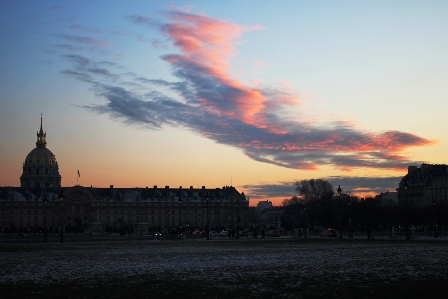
276	216
168	211
207	198
340	216
185	222
304	222
350	230
233	227
237	219
61	207
435	218
339	190
141	223
405	186
180	216
153	221
45	219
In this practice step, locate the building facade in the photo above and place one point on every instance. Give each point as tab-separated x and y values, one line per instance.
424	186
41	202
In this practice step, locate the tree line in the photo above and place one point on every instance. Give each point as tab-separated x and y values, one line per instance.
318	204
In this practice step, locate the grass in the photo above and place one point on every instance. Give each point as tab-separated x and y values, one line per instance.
306	268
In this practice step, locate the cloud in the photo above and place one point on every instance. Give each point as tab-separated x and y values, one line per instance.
269	124
359	186
84	40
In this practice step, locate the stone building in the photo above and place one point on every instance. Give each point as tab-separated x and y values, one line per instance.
426	185
42	202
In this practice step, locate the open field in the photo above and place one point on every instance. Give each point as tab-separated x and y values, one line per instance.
282	268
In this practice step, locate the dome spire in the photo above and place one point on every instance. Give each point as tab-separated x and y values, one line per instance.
41	136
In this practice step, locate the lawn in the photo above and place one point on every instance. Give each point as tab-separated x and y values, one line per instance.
281	268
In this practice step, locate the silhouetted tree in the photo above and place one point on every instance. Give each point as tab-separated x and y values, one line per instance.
317	195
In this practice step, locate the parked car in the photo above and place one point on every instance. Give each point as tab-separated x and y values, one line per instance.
329	233
243	233
223	233
213	234
273	233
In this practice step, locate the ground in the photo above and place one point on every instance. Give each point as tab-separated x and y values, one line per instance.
223	268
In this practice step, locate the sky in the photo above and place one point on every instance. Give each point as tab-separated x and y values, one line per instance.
252	94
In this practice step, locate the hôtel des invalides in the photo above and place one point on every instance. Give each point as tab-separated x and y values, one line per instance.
100	210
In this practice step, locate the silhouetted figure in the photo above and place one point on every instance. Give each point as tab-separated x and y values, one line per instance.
263	235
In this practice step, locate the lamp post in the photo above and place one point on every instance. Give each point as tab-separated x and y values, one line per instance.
202	221
276	216
304	222
185	221
45	219
405	186
153	221
180	216
168	211
207	198
61	208
339	190
237	235
435	218
350	230
141	223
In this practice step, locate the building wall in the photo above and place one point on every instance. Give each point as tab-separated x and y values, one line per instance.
160	208
427	185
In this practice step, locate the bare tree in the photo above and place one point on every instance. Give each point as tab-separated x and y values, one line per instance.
317	195
314	189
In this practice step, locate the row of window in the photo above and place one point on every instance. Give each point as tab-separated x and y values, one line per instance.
174	219
39	171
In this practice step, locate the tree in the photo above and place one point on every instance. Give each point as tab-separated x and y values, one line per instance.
293	213
317	195
312	190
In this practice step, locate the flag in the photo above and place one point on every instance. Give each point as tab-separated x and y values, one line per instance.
79	175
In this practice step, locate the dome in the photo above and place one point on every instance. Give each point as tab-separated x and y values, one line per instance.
40	168
40	156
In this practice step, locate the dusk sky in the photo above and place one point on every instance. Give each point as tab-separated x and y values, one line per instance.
254	94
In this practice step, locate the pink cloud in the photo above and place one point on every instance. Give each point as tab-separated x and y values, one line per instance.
270	125
209	43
